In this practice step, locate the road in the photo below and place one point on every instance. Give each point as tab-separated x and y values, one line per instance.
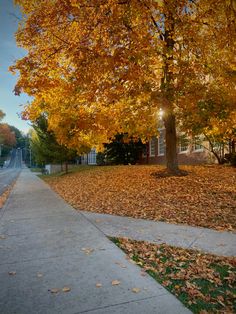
13	168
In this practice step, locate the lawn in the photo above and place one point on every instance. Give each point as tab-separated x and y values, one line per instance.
204	283
206	197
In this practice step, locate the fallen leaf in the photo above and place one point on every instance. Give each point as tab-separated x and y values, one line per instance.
54	290
136	290
98	285
66	289
115	282
87	251
12	273
39	275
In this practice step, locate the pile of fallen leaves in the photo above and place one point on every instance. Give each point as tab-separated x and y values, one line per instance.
204	283
206	197
4	196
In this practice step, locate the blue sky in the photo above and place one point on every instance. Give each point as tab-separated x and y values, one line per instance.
10	104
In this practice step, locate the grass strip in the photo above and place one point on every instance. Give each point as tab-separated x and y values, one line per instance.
202	282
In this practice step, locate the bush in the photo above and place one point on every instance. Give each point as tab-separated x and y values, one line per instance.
231	158
101	159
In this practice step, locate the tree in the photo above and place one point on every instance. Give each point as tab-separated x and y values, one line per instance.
107	67
2	114
122	150
7	140
20	137
44	146
212	116
6	135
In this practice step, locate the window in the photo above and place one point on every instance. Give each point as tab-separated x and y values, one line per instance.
152	147
197	144
183	143
92	157
161	142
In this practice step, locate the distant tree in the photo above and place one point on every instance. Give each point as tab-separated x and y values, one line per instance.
7	140
45	147
20	137
2	114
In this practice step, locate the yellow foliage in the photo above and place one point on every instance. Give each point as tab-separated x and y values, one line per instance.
101	67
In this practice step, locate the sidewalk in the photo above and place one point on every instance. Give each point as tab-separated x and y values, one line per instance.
45	246
203	239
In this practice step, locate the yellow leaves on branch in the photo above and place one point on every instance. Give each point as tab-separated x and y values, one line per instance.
95	69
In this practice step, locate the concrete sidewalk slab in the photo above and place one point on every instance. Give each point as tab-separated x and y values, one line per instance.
46	245
203	239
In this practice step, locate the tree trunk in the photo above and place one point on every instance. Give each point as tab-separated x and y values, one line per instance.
168	93
171	144
233	146
147	153
66	167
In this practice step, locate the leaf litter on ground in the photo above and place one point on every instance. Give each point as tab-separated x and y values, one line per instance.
205	283
206	197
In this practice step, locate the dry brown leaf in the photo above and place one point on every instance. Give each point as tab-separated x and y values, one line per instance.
98	285
87	251
54	290
115	282
136	290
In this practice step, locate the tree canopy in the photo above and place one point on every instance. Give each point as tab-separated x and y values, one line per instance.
102	67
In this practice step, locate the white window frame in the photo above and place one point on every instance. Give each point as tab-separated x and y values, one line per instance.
161	135
180	146
152	146
194	144
92	157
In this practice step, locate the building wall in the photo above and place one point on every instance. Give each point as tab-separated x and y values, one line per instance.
190	156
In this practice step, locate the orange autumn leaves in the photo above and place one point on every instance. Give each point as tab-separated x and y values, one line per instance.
108	67
206	197
203	282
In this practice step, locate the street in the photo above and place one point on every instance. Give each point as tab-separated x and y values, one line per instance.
12	169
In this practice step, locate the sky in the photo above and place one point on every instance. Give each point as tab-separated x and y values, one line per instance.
10	104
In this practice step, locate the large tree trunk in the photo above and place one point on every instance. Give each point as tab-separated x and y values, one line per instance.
171	144
168	93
